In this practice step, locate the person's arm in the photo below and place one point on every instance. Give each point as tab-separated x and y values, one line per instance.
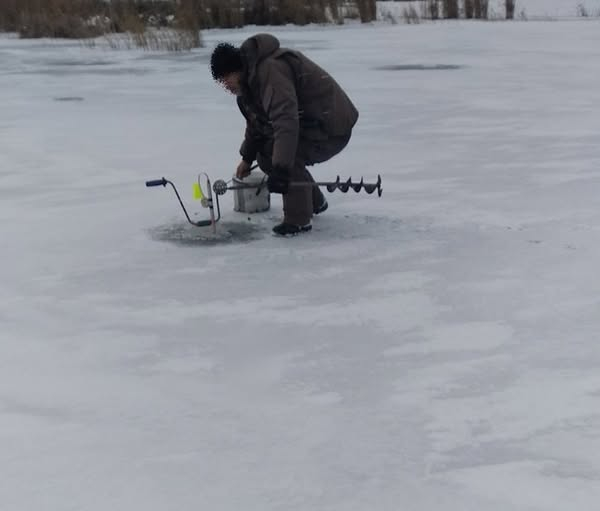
280	102
248	149
243	170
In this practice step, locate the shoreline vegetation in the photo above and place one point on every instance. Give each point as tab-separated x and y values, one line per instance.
176	25
168	24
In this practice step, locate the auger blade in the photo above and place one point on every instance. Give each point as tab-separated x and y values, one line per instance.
370	188
332	187
344	187
358	186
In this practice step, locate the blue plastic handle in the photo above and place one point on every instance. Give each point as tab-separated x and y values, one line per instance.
157	182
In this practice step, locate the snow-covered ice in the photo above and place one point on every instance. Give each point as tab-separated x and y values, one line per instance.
436	348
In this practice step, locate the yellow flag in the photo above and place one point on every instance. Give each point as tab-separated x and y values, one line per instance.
198	195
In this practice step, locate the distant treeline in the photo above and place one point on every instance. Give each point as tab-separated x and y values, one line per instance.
455	9
451	9
90	18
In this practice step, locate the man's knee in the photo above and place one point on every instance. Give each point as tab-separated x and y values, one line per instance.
319	151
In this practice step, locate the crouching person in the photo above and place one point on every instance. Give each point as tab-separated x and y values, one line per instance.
296	115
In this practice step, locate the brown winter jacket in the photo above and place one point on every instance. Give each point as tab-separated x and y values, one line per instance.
285	97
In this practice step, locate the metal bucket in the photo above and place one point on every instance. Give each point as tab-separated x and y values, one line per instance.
247	201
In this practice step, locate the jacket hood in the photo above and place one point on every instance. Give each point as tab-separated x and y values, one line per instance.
255	49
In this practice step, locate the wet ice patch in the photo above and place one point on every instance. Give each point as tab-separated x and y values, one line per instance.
186	234
400	282
418	67
474	336
324	398
69	98
66	71
187	365
175	57
348	227
80	62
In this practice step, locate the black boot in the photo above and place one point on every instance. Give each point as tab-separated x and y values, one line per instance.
321	208
285	229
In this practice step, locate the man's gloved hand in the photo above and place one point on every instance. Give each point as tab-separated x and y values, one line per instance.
279	180
243	170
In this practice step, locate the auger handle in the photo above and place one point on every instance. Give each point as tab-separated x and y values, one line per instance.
157	182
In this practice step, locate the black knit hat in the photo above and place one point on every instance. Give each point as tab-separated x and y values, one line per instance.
225	59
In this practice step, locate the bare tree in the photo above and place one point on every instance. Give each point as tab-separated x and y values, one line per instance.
450	9
367	10
510	9
480	9
469	9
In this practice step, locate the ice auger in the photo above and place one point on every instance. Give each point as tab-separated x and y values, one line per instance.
221	187
207	200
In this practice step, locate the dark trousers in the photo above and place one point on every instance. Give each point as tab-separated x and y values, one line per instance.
299	202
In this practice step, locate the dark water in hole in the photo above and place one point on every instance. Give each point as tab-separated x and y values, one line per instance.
185	234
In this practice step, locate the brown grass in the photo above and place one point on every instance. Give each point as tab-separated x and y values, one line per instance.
87	19
82	19
157	39
49	18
